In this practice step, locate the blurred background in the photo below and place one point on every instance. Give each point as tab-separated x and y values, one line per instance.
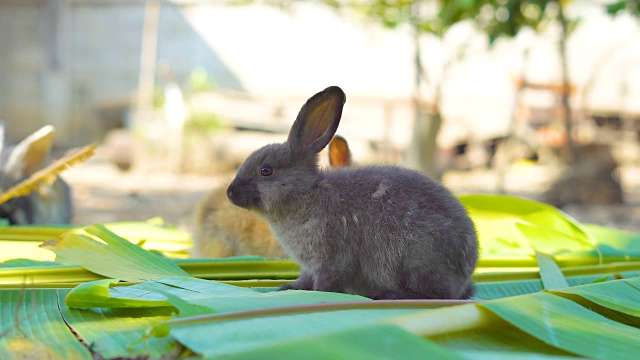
535	98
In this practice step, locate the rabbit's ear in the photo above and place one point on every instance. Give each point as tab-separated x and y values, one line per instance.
30	154
339	154
317	121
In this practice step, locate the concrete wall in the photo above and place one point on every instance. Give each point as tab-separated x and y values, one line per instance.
61	61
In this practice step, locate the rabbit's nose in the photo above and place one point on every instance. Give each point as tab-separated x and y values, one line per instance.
230	192
244	194
235	193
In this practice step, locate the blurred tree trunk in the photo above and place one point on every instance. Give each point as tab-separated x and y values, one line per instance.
146	82
570	154
423	147
148	54
421	154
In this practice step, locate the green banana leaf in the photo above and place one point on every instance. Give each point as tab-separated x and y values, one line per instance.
23	241
31	327
512	225
123	301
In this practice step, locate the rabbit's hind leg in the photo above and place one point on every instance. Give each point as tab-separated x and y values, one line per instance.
469	291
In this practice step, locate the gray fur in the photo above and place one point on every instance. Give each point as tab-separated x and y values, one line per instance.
49	204
381	231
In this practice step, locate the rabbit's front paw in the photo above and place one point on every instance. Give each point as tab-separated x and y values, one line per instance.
304	282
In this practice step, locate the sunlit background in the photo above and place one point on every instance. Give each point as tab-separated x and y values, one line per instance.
178	93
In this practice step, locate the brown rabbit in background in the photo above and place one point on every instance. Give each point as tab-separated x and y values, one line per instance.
223	229
384	232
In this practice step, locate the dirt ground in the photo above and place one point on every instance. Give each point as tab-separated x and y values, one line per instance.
102	193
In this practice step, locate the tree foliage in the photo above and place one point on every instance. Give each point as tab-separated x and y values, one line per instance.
495	17
630	6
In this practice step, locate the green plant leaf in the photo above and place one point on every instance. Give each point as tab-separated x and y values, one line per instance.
260	271
550	240
193	296
501	289
550	273
619	300
23	241
149	294
568	326
272	300
185	308
501	340
615	242
31	327
115	333
377	341
551	319
211	337
96	294
204	286
156	235
511	225
112	257
13	263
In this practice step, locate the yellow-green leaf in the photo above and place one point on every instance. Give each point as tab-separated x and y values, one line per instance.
108	254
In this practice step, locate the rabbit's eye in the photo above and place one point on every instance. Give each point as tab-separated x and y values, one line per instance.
266	171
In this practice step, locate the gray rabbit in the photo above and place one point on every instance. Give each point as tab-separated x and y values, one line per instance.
383	232
49	204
